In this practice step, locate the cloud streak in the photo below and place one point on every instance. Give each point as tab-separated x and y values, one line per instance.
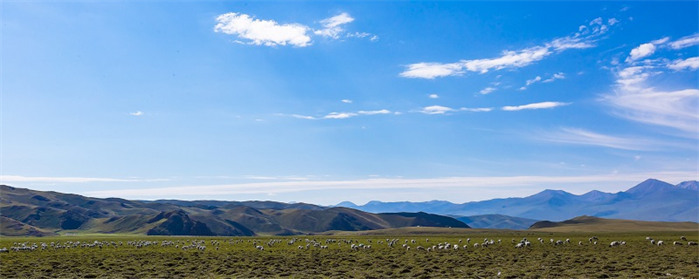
691	63
635	99
509	58
332	27
463	184
585	137
542	105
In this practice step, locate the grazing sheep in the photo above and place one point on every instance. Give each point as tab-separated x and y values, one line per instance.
692	243
683	238
677	243
660	243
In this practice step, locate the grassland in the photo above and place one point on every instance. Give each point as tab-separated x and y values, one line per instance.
239	258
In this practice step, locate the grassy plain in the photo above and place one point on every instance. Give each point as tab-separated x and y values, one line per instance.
237	257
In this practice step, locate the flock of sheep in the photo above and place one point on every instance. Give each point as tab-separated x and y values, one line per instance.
305	244
677	243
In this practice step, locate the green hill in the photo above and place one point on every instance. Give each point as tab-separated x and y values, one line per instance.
29	212
595	224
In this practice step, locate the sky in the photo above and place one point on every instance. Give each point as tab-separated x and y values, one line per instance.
330	101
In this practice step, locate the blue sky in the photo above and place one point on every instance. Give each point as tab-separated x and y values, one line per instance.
323	102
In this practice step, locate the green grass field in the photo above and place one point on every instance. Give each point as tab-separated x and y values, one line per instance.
238	257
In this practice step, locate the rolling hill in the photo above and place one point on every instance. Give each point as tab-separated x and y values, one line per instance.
651	200
596	224
30	212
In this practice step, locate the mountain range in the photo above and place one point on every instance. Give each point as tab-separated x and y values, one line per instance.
38	213
651	200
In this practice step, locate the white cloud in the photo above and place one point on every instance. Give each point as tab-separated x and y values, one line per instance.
530	82
554	77
347	101
514	59
432	70
635	100
436	110
508	58
487	90
433	96
612	21
299	116
270	33
262	32
373	112
332	27
339	115
542	105
641	51
476	109
596	21
660	41
584	137
684	42
691	63
137	113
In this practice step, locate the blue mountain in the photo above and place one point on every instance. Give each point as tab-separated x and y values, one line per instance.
651	200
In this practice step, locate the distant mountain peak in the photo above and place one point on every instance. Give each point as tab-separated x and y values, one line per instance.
689	185
650	186
346	204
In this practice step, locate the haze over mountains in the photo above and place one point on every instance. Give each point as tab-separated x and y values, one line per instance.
29	212
651	200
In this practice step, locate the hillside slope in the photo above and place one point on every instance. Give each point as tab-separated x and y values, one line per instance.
596	224
29	212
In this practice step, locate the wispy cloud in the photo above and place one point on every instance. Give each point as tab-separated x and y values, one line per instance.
436	110
476	109
636	99
691	63
585	38
433	96
332	27
487	90
299	116
585	137
346	101
538	79
373	112
432	70
554	77
542	105
684	42
136	113
339	115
